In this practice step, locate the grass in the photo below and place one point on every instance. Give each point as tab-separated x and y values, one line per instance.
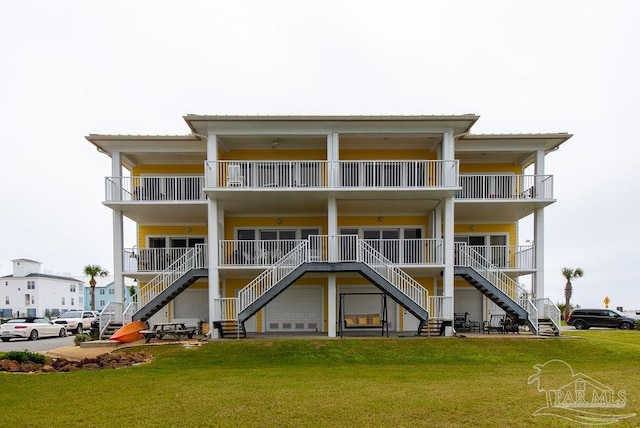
322	382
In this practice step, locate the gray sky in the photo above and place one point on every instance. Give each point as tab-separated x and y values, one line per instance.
70	68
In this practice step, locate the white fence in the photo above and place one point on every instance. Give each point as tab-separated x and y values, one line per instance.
505	186
156	188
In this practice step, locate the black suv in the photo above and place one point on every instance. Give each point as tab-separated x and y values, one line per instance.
586	318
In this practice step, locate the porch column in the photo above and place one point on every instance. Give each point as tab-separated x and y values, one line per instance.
214	280
118	235
332	230
213	237
448	277
332	157
538	231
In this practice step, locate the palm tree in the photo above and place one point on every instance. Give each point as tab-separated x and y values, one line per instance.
569	274
93	271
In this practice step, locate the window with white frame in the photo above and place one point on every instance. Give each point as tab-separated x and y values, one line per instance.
102	302
63	301
72	288
102	291
112	291
6	300
31	285
72	301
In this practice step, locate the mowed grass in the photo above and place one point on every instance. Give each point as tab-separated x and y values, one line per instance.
380	382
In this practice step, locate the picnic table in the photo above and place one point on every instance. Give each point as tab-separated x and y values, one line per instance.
177	330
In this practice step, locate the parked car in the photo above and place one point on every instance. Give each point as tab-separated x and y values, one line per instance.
587	318
31	328
76	320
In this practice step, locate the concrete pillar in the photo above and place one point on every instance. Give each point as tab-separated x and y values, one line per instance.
118	233
213	236
538	231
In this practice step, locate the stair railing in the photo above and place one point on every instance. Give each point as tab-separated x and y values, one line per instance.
108	314
549	310
394	275
271	276
225	309
466	256
441	307
194	258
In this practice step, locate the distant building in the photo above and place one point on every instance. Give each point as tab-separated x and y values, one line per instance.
27	292
105	293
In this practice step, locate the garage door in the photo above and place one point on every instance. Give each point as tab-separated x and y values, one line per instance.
295	309
468	300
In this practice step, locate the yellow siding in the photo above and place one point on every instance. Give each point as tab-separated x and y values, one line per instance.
489	229
417	154
489	168
169	169
275	155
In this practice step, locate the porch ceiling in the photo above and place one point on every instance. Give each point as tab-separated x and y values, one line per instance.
185	212
496	212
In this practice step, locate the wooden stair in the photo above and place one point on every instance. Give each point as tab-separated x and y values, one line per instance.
230	329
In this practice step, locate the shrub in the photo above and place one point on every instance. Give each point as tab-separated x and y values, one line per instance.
24	356
82	337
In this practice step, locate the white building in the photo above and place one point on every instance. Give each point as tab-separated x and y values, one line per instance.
28	292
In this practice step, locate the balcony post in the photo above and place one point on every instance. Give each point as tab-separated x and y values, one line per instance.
538	230
214	279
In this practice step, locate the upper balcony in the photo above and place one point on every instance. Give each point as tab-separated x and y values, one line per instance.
501	197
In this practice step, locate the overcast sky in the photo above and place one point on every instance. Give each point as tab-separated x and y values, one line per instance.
70	68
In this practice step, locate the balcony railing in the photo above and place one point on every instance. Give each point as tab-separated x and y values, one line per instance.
331	174
505	186
150	259
155	188
508	256
254	253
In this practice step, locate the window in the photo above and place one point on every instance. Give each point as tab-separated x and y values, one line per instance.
27	299
101	302
6	300
102	291
72	302
72	288
112	291
31	285
63	301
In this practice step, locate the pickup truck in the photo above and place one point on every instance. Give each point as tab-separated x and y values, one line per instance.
76	320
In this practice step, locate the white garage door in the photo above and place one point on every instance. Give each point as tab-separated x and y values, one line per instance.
295	309
468	300
192	303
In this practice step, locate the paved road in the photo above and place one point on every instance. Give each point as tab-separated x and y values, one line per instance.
40	345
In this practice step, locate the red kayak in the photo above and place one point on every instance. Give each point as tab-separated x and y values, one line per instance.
130	332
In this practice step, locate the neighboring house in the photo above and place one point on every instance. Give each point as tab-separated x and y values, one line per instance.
299	223
104	293
27	292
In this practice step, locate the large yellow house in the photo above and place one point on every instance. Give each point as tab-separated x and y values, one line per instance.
331	223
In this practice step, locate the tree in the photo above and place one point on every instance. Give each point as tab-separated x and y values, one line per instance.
569	274
93	271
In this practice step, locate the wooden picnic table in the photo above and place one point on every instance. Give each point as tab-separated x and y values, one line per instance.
177	330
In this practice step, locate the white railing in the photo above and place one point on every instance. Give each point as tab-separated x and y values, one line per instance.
150	259
394	275
254	253
224	309
548	309
131	309
505	186
111	312
194	258
508	256
155	188
331	174
441	307
270	277
466	256
410	251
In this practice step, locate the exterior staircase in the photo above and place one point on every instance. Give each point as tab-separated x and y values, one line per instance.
496	285
230	329
111	327
326	254
547	327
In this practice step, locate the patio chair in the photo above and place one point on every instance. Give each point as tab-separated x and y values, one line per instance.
495	323
234	175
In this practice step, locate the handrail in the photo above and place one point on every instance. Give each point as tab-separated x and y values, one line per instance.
505	186
549	310
263	174
225	309
270	277
441	307
194	258
155	188
394	275
108	314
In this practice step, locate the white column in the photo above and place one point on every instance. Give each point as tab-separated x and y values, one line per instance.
332	225
538	231
213	236
118	234
333	154
448	277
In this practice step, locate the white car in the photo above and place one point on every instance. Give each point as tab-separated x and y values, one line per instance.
76	320
31	328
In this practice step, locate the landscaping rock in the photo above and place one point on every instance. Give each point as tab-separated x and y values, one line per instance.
103	361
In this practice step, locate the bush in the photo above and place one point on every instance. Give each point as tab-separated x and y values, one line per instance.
82	337
23	356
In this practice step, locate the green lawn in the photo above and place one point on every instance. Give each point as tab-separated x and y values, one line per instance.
440	382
